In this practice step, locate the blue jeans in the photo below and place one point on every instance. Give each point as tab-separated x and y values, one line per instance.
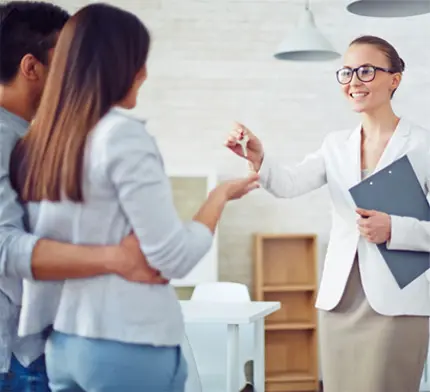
77	364
22	379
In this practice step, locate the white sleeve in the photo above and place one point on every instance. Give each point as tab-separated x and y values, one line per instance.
294	180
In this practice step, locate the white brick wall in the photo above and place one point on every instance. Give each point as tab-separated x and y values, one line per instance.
211	63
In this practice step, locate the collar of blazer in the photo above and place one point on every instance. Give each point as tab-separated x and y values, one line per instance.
395	149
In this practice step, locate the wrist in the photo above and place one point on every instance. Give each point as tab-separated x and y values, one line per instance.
219	195
112	259
258	162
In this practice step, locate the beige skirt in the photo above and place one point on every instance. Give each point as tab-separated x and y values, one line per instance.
363	351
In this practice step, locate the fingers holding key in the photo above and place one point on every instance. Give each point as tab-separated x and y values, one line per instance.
245	144
236	135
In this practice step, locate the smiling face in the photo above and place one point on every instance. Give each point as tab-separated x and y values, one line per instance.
372	85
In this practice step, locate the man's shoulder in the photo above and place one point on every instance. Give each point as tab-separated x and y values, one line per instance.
8	135
11	126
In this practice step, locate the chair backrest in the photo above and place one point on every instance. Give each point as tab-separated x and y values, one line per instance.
221	292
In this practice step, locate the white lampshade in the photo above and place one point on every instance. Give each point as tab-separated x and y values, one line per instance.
388	8
306	43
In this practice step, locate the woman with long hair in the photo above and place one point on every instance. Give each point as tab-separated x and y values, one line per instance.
90	174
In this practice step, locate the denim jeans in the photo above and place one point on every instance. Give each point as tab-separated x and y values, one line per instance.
22	379
77	364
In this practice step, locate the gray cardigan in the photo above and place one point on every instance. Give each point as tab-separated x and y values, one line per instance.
125	187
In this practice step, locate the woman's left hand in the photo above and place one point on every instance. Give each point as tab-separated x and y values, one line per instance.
375	226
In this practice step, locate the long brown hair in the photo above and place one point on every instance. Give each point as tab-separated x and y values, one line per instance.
98	55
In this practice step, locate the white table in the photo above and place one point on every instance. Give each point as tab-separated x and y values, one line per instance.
234	314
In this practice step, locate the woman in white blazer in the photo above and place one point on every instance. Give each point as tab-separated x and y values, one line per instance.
374	335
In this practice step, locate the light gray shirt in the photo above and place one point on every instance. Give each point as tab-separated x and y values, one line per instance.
16	247
125	188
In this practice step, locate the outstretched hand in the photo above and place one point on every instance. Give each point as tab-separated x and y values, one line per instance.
237	188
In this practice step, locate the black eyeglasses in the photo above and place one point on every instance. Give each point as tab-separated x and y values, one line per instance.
365	73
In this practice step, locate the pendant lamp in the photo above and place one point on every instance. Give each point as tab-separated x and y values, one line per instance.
306	42
388	8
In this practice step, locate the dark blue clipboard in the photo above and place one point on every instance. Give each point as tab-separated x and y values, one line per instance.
396	190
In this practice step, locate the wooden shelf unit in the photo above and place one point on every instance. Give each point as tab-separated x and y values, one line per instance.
286	271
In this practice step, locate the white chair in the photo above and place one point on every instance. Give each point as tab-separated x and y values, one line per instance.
221	292
209	342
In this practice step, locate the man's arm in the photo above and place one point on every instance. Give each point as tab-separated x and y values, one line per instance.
27	256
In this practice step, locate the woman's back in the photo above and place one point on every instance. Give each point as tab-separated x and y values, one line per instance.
107	306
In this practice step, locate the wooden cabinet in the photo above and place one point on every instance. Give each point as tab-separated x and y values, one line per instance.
286	271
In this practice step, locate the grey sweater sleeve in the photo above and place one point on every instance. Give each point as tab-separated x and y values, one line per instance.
134	166
16	245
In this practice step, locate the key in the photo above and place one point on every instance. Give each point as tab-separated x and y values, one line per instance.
243	142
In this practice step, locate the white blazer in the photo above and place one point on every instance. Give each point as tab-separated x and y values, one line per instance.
337	164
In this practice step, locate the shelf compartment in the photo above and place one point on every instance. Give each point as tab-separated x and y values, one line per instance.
294	382
296	307
288	263
290	355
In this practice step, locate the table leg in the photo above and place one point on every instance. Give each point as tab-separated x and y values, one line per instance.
259	353
232	358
